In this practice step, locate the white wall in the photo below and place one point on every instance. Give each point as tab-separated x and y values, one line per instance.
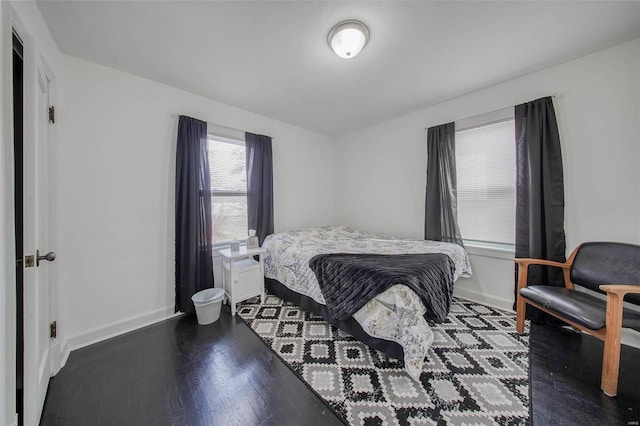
381	170
116	163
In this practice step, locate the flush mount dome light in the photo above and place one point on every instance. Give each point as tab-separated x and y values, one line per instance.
347	38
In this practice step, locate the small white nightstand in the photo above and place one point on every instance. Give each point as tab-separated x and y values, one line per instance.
242	277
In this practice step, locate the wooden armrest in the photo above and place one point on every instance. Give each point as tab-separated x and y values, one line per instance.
527	262
523	266
620	289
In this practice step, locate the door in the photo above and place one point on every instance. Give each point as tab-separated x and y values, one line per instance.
37	231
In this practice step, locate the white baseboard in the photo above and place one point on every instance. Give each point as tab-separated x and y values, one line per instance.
630	337
474	296
56	357
108	331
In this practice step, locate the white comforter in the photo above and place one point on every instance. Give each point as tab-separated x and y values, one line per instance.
396	314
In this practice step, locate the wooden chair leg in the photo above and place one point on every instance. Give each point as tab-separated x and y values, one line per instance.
611	357
520	314
520	302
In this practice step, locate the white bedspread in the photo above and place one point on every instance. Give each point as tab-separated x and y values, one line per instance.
396	314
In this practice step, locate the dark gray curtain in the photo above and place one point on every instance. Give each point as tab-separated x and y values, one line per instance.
441	211
539	194
194	263
259	184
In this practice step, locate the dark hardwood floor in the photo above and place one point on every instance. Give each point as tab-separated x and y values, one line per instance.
178	373
565	381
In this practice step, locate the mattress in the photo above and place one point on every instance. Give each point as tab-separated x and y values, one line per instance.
397	314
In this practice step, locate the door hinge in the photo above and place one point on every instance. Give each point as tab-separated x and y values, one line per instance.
52	114
53	327
29	261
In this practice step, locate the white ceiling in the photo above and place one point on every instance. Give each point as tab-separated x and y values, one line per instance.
272	57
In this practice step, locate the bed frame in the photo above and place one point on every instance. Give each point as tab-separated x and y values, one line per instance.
350	325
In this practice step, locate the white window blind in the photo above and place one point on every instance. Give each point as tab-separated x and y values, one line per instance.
486	180
227	164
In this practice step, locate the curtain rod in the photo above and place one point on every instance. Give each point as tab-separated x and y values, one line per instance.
175	114
554	96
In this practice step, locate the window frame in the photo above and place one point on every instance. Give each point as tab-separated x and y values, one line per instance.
211	138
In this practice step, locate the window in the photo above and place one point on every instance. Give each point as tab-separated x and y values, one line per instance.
227	164
486	178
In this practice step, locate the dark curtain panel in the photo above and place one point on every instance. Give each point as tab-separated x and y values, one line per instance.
539	194
259	184
194	262
441	211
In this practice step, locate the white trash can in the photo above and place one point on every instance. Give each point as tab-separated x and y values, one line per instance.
208	303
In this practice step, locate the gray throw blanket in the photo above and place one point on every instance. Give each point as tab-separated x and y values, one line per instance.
349	281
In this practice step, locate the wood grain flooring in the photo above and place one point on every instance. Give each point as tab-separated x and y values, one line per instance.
178	373
565	381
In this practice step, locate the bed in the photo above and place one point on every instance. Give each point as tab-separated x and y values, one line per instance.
393	321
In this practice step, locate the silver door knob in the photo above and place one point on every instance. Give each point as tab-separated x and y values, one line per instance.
50	257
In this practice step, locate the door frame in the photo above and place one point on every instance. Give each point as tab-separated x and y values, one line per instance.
18	186
9	23
33	60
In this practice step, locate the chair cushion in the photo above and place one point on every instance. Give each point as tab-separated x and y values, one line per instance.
577	306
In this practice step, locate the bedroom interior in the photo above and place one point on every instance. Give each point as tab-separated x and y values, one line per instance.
349	160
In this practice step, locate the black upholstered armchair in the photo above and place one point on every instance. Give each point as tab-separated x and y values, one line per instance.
609	268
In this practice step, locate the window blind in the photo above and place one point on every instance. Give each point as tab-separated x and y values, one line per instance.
228	171
227	163
486	177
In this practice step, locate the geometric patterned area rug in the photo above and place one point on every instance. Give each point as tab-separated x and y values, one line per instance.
475	373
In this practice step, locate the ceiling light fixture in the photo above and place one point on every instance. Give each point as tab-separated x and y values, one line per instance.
348	38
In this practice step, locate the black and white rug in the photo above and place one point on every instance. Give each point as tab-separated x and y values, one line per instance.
476	371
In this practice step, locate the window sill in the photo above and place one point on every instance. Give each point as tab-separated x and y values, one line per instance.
221	246
497	251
